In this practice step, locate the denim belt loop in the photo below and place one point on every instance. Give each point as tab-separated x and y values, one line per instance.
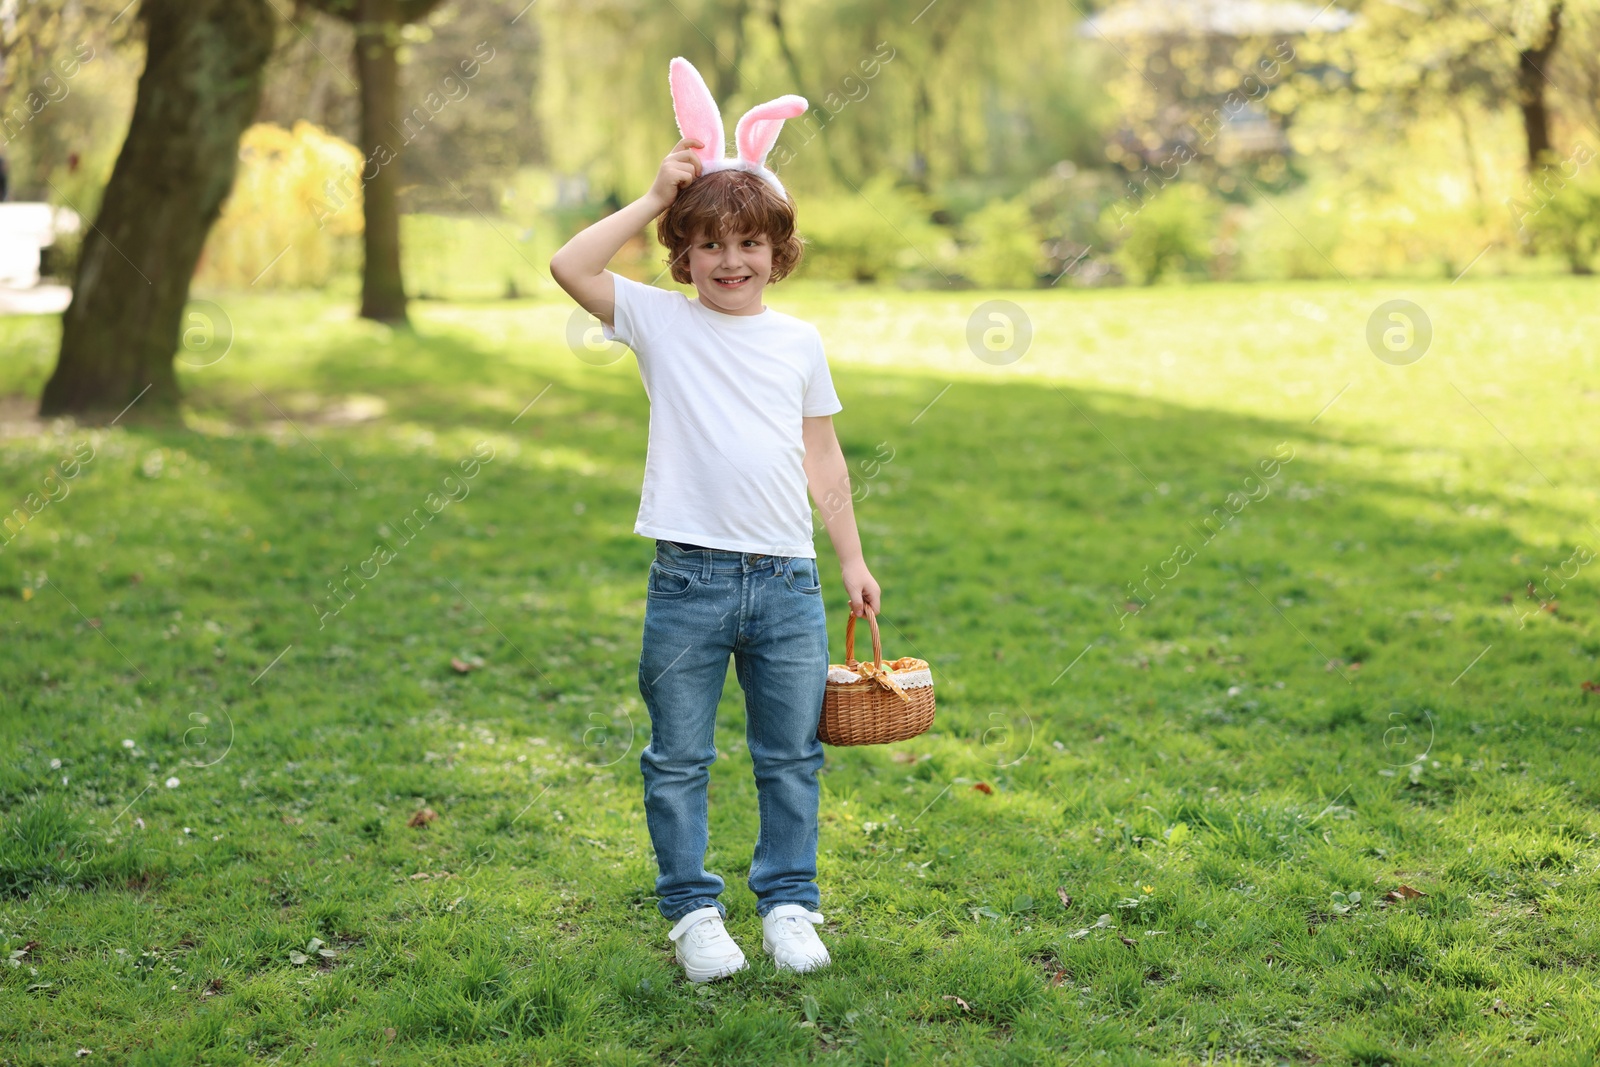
706	567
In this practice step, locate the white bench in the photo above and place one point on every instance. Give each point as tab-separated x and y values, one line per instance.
25	229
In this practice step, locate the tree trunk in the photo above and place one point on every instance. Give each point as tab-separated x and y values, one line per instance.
1531	83
198	92
377	25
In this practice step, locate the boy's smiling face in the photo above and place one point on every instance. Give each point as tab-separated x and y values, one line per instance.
730	271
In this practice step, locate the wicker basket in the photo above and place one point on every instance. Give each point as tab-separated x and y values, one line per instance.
875	703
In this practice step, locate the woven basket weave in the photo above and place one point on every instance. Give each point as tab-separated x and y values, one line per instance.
875	703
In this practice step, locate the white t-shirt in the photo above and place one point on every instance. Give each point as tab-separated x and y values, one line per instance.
724	464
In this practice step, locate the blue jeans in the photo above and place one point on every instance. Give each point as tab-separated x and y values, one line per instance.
766	611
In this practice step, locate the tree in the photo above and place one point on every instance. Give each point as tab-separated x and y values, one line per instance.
199	89
1532	58
378	24
1492	53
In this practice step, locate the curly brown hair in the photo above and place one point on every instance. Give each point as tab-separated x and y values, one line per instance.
730	202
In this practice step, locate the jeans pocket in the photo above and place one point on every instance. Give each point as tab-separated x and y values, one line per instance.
667	584
803	577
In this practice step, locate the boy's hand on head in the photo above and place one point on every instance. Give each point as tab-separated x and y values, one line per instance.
681	167
862	589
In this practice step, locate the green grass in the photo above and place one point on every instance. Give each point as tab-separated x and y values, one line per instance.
1211	783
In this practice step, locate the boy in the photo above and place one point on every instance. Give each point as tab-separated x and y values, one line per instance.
740	427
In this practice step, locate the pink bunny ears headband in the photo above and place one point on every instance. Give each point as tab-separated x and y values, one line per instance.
757	132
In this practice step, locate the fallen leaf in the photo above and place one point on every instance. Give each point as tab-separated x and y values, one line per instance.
1058	978
1591	687
94	623
82	1052
1100	924
420	875
958	1000
1066	901
1550	606
29	947
984	788
1404	893
422	818
1130	942
460	666
388	1033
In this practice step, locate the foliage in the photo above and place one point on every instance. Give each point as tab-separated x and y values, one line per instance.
469	257
927	94
1004	251
1425	201
1562	212
298	193
877	233
67	76
1171	233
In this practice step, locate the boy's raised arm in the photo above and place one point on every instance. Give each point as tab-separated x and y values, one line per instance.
579	266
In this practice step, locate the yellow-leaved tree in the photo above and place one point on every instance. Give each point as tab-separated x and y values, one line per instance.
295	206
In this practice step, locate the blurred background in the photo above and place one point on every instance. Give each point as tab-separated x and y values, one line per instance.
1014	144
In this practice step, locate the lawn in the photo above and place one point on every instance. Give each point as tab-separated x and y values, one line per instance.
1237	630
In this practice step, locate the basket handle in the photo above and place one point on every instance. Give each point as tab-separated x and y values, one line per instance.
850	639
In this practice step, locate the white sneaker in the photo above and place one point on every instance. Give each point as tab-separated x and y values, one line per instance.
704	948
789	937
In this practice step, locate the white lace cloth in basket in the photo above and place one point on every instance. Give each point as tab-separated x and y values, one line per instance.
906	679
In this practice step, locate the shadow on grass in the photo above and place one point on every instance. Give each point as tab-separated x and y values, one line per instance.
1012	525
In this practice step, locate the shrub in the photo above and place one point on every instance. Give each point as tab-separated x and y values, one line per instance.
1562	215
1299	243
1005	244
879	232
1171	233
